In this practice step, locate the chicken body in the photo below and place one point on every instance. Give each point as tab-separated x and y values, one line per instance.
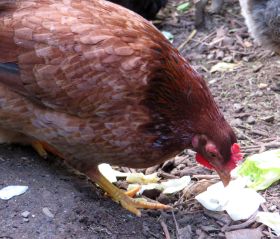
146	8
263	21
100	84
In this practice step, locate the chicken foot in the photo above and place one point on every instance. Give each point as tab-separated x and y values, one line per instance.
39	148
42	148
124	198
118	195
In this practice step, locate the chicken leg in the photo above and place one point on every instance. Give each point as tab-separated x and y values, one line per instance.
117	195
124	198
42	148
39	148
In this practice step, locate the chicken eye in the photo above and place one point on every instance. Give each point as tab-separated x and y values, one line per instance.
212	155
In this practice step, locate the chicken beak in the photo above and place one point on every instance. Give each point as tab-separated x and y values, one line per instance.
224	176
222	171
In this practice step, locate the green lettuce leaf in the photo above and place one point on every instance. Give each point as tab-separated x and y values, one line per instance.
263	169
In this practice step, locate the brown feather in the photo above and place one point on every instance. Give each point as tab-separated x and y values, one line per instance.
101	84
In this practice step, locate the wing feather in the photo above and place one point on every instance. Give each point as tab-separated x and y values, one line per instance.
77	58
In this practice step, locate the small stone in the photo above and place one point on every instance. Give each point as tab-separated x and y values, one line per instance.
276	87
220	55
181	166
240	136
175	172
212	81
152	193
166	199
268	119
228	59
25	219
247	44
237	107
190	152
168	165
25	214
152	169
257	67
251	120
272	208
181	160
202	48
259	93
228	41
236	122
210	56
47	212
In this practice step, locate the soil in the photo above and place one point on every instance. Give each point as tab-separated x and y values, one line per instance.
249	96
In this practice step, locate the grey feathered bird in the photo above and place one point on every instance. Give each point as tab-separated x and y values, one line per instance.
262	18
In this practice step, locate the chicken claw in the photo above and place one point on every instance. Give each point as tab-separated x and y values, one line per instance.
132	193
39	148
118	195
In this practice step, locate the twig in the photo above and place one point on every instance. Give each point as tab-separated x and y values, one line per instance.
167	175
224	218
176	224
246	136
243	225
206	176
204	39
272	145
264	208
258	132
271	139
249	151
177	204
165	229
187	40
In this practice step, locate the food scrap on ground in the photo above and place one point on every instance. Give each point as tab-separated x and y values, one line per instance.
262	169
9	192
146	182
239	202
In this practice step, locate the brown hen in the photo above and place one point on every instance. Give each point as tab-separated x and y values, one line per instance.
97	83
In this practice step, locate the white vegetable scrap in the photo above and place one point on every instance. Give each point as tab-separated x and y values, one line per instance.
167	187
143	188
111	174
11	191
142	178
175	185
239	202
270	219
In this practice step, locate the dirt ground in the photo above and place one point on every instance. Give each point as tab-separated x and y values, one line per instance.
62	204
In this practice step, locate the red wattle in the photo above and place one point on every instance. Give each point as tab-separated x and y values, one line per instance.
203	161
